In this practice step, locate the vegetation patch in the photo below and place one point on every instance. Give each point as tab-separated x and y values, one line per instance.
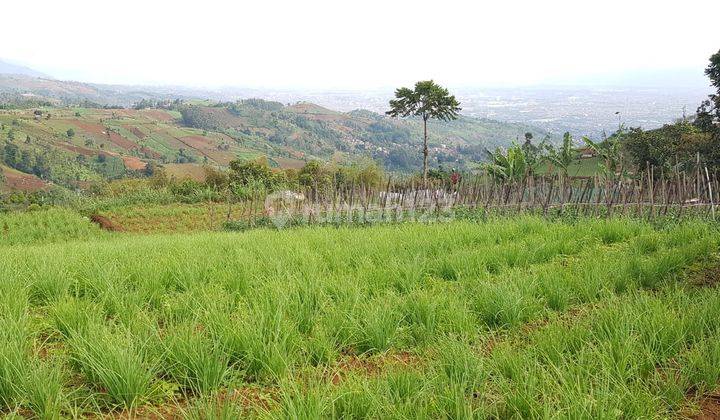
591	318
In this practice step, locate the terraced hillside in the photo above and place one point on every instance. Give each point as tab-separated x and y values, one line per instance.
74	146
305	130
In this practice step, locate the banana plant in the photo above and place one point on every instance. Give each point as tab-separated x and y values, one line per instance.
509	165
609	152
563	156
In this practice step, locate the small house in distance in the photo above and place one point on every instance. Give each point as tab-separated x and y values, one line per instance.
586	153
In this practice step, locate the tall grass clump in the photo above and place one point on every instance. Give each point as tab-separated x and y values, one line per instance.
115	362
43	387
46	226
15	336
14	359
193	360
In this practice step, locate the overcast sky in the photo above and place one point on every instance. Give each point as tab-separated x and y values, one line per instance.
364	44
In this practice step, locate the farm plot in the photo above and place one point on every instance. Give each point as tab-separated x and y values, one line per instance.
510	318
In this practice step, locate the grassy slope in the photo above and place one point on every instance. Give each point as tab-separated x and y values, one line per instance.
44	226
580	167
515	317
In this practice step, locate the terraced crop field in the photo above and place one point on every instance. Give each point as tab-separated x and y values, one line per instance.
510	318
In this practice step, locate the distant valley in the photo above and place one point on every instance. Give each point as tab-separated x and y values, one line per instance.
584	109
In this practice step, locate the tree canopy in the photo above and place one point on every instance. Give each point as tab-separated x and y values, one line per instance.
428	100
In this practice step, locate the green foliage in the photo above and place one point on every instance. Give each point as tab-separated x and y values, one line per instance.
662	148
713	72
214	133
510	164
110	166
427	100
504	318
672	147
43	226
610	152
254	173
363	172
315	174
562	157
114	362
708	119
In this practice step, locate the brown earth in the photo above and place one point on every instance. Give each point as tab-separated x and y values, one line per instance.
288	163
150	153
706	275
78	149
133	163
105	223
101	131
251	397
19	181
709	407
159	115
198	141
136	131
372	366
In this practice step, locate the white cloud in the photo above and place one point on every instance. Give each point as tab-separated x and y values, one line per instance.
371	43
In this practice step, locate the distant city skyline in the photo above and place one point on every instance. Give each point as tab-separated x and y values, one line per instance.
329	45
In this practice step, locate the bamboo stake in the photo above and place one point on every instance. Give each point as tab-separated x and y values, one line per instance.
710	193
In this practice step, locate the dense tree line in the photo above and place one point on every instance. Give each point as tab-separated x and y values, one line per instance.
169	104
25	160
680	145
197	117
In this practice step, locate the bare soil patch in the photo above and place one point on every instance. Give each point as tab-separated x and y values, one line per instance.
78	149
134	163
159	115
371	366
101	131
105	223
19	181
207	148
707	275
136	131
709	407
150	153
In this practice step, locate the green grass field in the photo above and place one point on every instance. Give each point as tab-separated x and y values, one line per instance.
47	226
580	167
512	318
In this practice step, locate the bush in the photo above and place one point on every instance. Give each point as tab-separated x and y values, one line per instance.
254	172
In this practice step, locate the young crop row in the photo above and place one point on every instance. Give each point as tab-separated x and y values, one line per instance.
305	321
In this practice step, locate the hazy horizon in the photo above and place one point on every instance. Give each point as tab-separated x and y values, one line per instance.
325	45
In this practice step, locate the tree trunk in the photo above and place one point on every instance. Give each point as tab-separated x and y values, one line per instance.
425	152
